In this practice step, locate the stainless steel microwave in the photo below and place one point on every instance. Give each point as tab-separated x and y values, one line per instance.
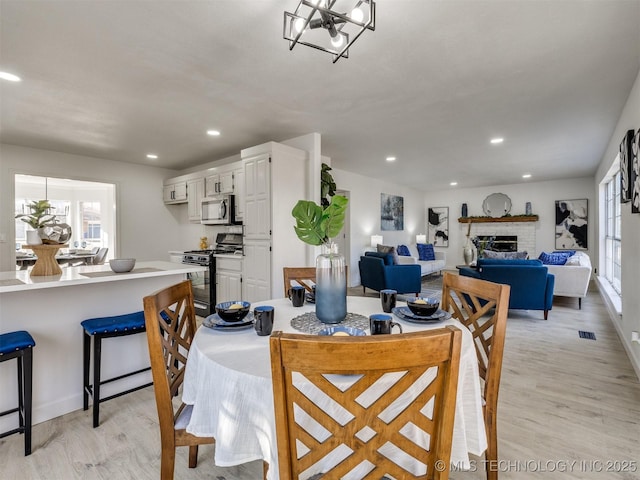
218	210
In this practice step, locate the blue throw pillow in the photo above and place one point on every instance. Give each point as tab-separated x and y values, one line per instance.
425	252
403	251
553	258
568	253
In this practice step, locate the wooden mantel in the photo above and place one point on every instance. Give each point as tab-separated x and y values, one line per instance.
514	218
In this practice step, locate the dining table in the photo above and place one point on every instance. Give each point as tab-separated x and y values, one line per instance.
228	383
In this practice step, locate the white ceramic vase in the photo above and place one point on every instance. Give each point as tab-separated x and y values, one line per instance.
33	237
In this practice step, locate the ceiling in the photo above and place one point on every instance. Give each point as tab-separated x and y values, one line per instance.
431	86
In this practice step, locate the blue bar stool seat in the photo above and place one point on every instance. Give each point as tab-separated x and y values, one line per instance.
19	345
98	329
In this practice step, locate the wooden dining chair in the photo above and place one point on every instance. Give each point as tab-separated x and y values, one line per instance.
305	276
367	393
482	307
170	322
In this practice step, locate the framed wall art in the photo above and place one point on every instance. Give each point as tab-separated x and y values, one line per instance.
391	212
571	224
626	165
438	226
634	179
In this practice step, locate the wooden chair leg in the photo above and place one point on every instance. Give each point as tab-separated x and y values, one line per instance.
193	456
491	455
167	463
265	469
546	314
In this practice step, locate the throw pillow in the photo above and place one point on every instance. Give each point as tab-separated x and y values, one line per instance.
403	251
568	253
390	250
425	252
505	255
553	258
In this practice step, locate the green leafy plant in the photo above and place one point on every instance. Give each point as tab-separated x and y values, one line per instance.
316	225
327	185
39	216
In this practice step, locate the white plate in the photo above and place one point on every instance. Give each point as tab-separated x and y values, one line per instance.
214	321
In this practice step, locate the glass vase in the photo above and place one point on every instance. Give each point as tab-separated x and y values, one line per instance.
331	285
467	252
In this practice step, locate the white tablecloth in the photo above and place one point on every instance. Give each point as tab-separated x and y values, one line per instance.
228	382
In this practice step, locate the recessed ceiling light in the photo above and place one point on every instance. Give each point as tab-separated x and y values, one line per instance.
453	184
497	140
152	156
391	159
213	133
10	76
526	175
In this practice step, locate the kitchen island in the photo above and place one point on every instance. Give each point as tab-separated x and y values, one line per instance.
51	308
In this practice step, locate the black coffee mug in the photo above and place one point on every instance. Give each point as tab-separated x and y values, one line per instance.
296	294
381	324
263	316
388	299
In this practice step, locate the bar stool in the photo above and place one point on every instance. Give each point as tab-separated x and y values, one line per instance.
20	345
99	329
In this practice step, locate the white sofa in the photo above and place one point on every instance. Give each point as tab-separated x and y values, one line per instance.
572	278
427	266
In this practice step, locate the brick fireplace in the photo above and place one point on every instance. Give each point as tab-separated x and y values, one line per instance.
525	231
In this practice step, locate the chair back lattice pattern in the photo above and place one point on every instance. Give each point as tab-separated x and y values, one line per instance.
483	308
305	276
170	322
365	406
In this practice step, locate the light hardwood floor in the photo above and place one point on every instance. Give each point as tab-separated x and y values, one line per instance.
563	399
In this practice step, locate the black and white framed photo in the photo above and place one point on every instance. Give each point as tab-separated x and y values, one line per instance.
626	166
571	224
438	226
634	178
391	212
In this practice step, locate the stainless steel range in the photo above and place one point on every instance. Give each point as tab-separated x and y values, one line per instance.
204	283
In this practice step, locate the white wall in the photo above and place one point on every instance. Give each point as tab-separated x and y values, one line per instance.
147	229
630	320
542	196
365	214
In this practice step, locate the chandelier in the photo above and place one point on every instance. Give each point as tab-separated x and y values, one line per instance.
329	25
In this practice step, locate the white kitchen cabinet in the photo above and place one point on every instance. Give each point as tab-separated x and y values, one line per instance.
228	279
195	192
274	180
174	192
256	271
219	183
238	191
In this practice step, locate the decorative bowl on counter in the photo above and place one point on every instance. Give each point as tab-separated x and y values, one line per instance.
423	306
122	265
233	311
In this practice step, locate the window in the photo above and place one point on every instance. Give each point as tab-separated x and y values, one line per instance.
88	207
613	234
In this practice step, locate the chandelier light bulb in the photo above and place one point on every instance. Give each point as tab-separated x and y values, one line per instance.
298	25
337	41
357	15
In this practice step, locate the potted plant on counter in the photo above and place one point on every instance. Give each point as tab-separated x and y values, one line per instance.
317	226
37	219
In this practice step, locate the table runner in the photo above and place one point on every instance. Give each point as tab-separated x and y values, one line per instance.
309	323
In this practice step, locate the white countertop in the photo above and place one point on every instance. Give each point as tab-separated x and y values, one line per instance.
21	280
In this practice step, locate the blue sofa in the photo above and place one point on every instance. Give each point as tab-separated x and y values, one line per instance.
531	283
377	272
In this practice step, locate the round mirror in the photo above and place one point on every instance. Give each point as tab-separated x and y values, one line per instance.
496	205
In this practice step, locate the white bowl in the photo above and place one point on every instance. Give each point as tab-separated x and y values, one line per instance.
121	265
